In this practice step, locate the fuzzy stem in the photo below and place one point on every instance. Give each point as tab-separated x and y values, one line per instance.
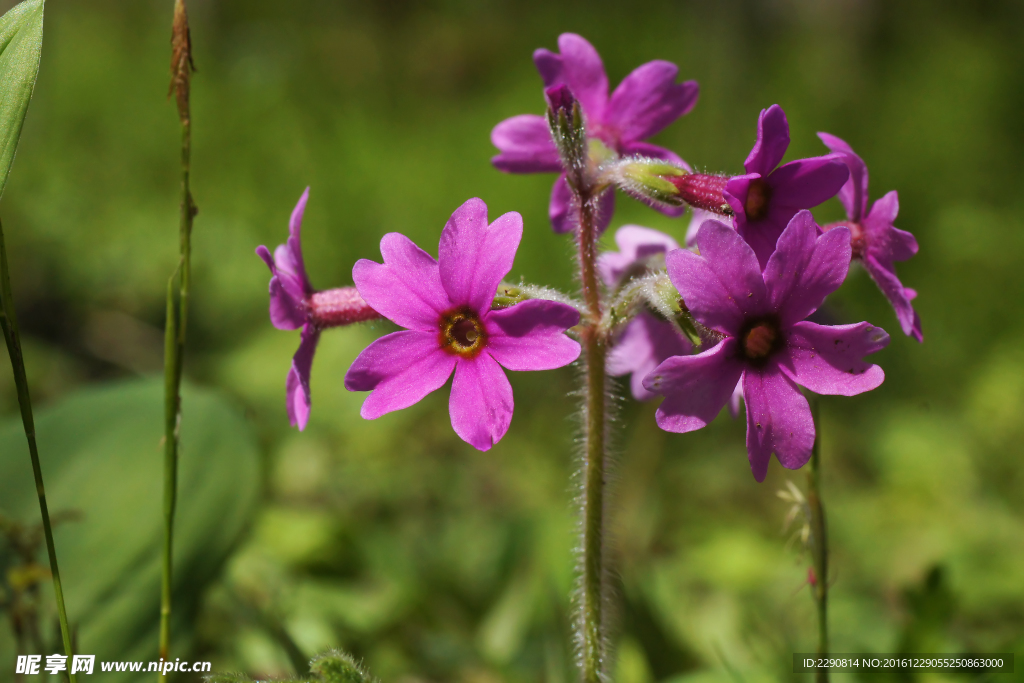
595	347
9	323
819	536
177	317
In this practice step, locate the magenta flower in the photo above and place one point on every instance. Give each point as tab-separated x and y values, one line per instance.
647	340
445	306
874	241
645	102
767	197
294	304
766	342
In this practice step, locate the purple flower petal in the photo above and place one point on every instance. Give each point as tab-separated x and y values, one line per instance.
854	194
285	312
778	420
772	141
736	400
297	395
903	244
481	402
641	348
806	268
583	72
829	359
473	256
264	254
649	99
761	234
406	288
635	243
562	218
530	335
736	191
398	370
805	183
723	286
885	240
526	146
549	64
295	241
695	387
697	218
898	295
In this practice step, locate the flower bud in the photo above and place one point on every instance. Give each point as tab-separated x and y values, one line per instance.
560	99
565	119
663	182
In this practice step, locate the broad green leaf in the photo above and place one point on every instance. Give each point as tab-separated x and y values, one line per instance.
101	455
21	41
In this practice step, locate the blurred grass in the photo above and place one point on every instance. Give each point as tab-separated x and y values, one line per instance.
395	540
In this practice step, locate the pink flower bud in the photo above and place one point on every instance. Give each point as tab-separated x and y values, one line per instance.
560	99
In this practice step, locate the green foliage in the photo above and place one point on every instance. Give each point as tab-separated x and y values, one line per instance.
335	666
21	42
102	460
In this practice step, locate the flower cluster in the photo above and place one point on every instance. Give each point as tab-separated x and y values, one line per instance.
723	317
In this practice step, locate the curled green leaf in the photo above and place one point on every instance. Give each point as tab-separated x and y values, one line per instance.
21	42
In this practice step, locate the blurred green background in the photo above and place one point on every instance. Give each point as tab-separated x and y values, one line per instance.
395	540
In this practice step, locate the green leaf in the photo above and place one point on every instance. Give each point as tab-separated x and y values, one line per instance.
21	42
336	666
101	454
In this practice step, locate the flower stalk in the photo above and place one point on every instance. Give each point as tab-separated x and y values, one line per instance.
567	130
9	323
177	313
595	349
818	540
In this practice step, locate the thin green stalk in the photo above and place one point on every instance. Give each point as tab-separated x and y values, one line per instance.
172	405
177	316
819	540
9	322
591	601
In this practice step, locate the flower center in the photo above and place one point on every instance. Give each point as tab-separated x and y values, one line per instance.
759	193
858	239
760	339
462	333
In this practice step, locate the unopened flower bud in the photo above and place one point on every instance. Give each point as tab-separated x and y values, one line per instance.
560	99
565	119
336	307
665	183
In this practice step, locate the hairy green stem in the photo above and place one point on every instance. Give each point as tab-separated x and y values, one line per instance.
9	322
177	317
819	540
595	348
